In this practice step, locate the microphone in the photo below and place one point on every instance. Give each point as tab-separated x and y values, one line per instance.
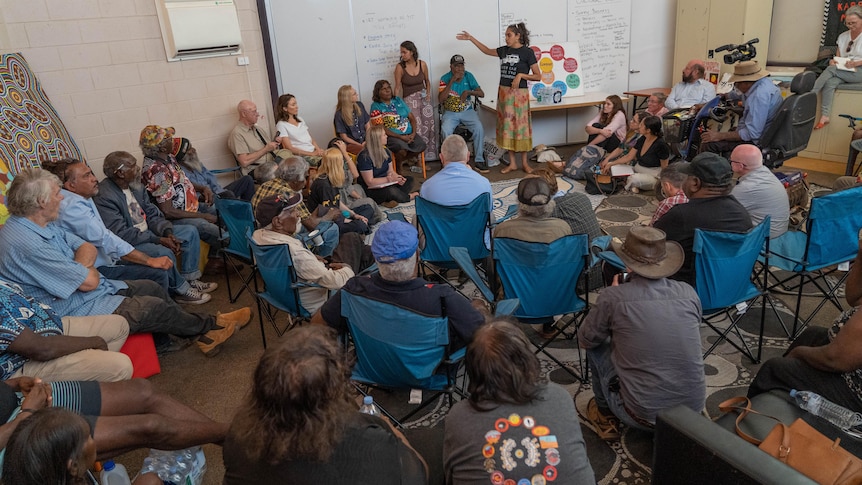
726	47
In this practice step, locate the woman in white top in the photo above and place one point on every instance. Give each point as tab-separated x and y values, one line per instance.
849	46
294	132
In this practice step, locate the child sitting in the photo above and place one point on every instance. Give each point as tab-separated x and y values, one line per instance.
671	180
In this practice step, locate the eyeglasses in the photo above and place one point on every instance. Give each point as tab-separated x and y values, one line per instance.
738	163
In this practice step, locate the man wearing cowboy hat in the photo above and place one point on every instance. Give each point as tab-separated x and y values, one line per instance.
654	362
761	97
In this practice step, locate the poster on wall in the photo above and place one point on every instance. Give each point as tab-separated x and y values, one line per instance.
560	67
833	21
712	71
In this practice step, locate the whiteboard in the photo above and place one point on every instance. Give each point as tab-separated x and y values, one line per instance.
545	19
602	29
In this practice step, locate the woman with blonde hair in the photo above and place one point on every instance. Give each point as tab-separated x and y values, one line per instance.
324	192
377	172
351	119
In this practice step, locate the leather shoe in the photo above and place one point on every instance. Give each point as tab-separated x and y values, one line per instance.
214	266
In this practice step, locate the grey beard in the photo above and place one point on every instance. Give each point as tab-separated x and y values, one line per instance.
193	163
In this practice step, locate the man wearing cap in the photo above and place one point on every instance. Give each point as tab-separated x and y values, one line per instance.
693	89
56	266
116	259
395	251
456	88
173	192
534	222
279	217
250	144
710	207
762	99
187	156
759	190
643	339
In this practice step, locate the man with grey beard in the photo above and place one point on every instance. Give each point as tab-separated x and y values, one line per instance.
187	156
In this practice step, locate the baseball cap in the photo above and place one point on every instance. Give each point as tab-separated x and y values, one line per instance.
154	135
710	168
393	241
270	207
534	191
457	59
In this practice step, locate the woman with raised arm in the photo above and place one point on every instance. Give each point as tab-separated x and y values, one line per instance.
518	65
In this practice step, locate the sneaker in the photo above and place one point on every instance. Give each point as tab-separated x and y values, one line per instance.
493	162
482	167
192	297
607	427
203	287
238	318
210	343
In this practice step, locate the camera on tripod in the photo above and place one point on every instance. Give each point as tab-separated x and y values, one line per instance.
741	52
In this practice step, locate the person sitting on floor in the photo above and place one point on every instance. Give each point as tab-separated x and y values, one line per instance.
326	191
290	178
671	180
300	424
509	400
79	215
825	360
395	248
119	417
278	216
187	156
127	211
759	190
33	252
34	340
643	339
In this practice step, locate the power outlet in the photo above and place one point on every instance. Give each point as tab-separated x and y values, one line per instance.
242	61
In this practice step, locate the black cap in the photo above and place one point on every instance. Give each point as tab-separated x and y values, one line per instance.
534	191
710	168
272	206
457	59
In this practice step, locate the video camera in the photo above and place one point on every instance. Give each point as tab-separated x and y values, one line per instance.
741	52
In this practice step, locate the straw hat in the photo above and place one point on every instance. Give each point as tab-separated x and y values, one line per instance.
748	71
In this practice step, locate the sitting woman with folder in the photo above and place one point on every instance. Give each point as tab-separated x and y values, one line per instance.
650	153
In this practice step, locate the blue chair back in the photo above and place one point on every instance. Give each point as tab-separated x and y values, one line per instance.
542	276
276	268
833	226
446	226
238	216
395	347
723	265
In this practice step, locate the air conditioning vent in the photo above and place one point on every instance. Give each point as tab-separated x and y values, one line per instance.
199	28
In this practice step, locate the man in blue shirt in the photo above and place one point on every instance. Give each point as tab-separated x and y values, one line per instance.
456	88
187	156
34	340
762	99
456	184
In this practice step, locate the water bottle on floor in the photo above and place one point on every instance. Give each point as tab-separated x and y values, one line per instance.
368	406
826	409
114	474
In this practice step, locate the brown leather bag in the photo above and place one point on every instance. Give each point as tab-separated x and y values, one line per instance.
802	448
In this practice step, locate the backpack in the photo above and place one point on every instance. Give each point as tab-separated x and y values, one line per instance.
582	161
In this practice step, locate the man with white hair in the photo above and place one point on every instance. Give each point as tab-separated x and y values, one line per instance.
759	190
456	184
395	249
534	222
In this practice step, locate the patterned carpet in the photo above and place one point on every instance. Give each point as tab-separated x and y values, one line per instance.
30	128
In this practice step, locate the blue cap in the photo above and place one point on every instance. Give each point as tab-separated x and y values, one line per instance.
393	241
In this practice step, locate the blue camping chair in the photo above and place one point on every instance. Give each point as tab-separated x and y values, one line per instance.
831	238
238	217
724	263
397	348
281	286
544	279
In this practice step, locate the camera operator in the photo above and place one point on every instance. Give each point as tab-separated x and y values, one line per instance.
761	100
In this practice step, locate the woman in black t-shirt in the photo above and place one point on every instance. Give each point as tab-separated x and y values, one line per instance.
650	152
518	65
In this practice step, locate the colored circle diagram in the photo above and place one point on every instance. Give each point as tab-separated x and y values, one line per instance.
550	62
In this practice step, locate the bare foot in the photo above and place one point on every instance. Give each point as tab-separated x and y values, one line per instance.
509	168
413	195
527	168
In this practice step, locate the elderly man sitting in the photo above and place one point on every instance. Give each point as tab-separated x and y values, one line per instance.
187	156
534	222
395	248
289	179
279	216
759	190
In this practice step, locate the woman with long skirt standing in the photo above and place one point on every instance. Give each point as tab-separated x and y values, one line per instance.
412	85
517	66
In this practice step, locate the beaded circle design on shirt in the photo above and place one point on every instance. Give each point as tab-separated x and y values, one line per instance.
529	451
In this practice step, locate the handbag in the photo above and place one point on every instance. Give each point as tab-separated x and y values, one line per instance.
801	447
599	184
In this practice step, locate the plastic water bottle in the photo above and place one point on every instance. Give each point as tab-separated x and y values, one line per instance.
368	406
826	409
114	474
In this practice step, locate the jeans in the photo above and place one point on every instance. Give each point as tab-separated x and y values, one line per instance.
123	271
603	373
207	231
329	231
148	308
470	119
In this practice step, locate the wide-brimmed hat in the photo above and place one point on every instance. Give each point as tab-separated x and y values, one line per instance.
647	252
748	71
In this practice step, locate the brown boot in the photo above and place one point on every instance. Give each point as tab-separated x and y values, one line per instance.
210	342
238	318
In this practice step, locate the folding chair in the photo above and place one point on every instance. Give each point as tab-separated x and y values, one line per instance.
724	263
544	277
238	217
397	348
831	238
281	286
